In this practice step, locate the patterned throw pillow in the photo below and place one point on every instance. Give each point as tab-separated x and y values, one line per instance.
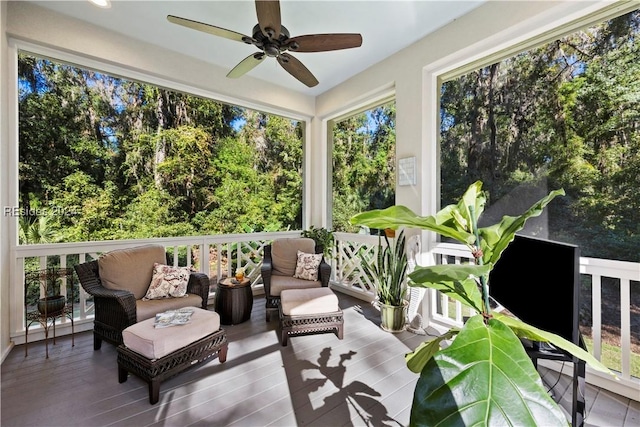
307	266
168	282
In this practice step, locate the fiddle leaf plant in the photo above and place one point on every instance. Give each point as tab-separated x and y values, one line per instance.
484	377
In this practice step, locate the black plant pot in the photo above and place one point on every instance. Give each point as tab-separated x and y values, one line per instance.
52	306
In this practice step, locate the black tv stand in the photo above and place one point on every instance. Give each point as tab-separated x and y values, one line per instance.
544	351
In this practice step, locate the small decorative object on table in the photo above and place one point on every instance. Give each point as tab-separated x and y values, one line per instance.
239	274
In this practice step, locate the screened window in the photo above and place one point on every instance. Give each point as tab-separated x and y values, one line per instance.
363	164
561	115
102	157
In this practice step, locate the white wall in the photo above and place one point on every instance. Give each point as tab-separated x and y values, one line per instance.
4	241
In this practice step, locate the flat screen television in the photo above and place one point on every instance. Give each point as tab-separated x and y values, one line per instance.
538	281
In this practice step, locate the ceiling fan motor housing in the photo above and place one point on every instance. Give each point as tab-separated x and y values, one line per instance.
272	47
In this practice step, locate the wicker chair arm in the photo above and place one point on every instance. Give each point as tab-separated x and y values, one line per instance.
265	270
120	294
126	305
118	304
325	273
199	285
89	277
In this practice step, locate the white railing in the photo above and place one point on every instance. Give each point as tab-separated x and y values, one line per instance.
223	252
347	273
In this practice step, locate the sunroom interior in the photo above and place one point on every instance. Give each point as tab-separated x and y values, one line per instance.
489	31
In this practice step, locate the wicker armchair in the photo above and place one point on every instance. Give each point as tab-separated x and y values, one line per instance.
116	309
279	267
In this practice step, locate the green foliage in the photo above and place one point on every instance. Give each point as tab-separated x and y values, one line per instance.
323	238
461	381
32	230
121	159
565	114
476	382
388	270
363	157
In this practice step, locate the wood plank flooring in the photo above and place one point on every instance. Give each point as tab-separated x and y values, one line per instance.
316	380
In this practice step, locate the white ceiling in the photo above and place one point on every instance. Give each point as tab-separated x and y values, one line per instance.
386	27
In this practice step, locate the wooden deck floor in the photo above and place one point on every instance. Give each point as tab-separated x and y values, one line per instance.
316	380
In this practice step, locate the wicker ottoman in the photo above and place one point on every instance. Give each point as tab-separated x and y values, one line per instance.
155	354
309	311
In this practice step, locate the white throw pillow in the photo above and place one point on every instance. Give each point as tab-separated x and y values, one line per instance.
168	282
307	266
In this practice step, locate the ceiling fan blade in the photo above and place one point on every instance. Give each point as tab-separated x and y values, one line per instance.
269	17
216	31
246	65
297	69
325	42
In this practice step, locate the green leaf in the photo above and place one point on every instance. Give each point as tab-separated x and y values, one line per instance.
455	272
425	351
496	238
455	280
388	270
474	196
524	330
401	216
484	378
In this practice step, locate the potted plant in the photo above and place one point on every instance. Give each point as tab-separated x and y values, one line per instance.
484	376
51	303
388	270
323	238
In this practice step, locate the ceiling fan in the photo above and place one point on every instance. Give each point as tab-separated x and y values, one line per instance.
272	38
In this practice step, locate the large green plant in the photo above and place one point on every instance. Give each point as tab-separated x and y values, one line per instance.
388	270
484	377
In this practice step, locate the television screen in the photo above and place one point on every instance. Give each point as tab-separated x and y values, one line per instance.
538	281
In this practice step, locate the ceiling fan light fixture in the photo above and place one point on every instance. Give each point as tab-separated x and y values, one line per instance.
104	4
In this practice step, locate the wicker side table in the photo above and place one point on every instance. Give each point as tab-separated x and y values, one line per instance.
234	301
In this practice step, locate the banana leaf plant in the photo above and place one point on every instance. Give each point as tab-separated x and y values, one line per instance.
484	376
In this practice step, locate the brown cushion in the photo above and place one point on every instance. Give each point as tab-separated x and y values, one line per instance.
284	254
130	269
280	283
